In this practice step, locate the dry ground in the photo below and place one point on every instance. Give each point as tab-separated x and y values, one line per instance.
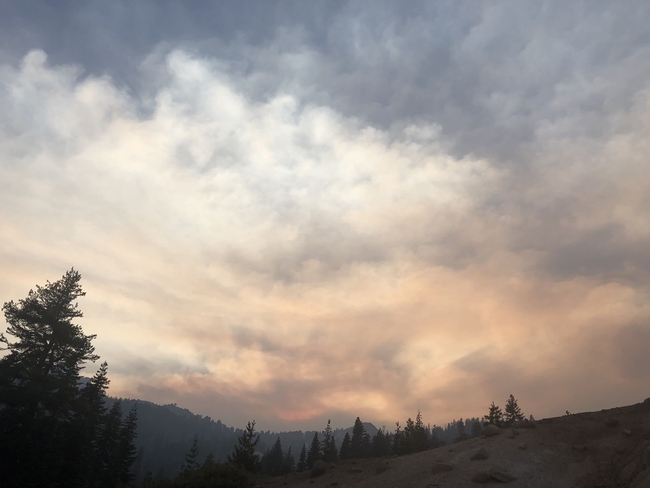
610	448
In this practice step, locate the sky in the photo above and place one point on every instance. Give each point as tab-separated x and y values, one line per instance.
296	211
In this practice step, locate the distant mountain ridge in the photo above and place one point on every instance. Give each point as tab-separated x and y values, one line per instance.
165	434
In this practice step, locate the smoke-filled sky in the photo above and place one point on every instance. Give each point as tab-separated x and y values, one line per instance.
294	211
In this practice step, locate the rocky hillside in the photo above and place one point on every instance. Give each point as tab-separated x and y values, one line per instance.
610	448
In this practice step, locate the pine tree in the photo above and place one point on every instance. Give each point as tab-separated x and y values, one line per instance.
289	462
494	416
420	437
398	440
380	444
244	454
273	460
460	426
344	452
302	460
408	437
365	444
314	453
512	411
476	428
191	458
329	450
358	448
107	461
127	450
43	439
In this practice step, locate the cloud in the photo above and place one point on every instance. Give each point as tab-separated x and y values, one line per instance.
411	208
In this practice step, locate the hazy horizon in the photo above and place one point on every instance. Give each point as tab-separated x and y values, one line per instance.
291	211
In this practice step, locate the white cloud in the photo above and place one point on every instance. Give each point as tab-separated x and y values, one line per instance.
238	245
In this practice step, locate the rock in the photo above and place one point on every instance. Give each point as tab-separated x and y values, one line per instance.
515	432
627	432
579	447
319	468
524	424
620	449
523	447
441	468
481	477
611	422
500	474
355	470
491	430
382	466
480	454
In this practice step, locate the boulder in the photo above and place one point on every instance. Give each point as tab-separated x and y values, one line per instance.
319	468
627	432
441	468
579	447
500	474
491	430
515	432
480	454
382	466
611	422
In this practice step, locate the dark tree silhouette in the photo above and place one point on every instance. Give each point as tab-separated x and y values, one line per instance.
359	443
191	458
289	462
380	444
302	460
273	461
512	411
53	431
494	416
460	425
329	450
398	440
314	453
344	452
244	454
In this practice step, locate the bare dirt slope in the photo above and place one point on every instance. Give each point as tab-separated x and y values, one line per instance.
610	448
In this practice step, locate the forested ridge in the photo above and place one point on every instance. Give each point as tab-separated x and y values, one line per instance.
59	429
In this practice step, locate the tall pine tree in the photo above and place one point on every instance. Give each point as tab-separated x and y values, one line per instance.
329	450
358	443
494	416
54	431
273	461
512	411
314	453
344	452
244	454
302	460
